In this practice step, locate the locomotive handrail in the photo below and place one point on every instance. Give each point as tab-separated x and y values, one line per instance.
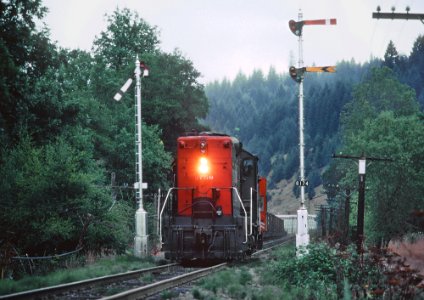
245	213
191	188
251	210
164	205
242	206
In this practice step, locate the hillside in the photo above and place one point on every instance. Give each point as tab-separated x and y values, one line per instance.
283	202
262	111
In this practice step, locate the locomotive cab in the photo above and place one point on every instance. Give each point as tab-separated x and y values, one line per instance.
212	212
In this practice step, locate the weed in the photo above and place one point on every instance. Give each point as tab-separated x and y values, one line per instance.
236	291
100	268
197	294
167	294
112	291
148	278
245	277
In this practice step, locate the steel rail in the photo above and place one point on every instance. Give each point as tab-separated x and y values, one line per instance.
154	288
275	243
31	294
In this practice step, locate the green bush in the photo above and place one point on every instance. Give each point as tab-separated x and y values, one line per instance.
315	275
326	273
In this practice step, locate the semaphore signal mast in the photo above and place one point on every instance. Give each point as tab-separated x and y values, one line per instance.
141	237
302	236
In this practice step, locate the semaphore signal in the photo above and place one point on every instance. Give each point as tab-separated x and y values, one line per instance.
326	69
302	236
297	73
297	27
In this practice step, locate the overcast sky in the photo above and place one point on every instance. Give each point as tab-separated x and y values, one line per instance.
223	37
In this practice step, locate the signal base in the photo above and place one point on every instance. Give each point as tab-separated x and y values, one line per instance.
302	236
141	237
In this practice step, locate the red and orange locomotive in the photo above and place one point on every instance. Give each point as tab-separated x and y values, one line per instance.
217	208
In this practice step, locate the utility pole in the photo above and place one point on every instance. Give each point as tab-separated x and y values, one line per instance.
347	215
302	236
397	16
362	163
323	222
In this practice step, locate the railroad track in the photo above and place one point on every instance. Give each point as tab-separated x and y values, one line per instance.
86	284
154	288
167	276
274	243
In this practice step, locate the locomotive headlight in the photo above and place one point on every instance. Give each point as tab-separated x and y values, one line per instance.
203	167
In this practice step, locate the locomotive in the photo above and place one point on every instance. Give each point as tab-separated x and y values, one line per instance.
217	209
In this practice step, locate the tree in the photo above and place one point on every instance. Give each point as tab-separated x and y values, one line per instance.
26	54
172	97
391	194
382	121
415	72
380	92
391	57
126	36
49	194
62	134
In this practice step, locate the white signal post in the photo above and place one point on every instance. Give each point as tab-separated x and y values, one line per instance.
141	237
302	236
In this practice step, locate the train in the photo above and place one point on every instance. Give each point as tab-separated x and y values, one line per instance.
217	208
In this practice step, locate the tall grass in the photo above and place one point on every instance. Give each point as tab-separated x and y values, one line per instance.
102	267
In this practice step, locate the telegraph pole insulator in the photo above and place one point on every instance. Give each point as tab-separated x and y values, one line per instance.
397	16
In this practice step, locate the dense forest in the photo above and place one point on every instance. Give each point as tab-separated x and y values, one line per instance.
373	109
262	110
62	135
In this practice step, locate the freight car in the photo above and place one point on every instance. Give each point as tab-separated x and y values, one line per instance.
217	209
